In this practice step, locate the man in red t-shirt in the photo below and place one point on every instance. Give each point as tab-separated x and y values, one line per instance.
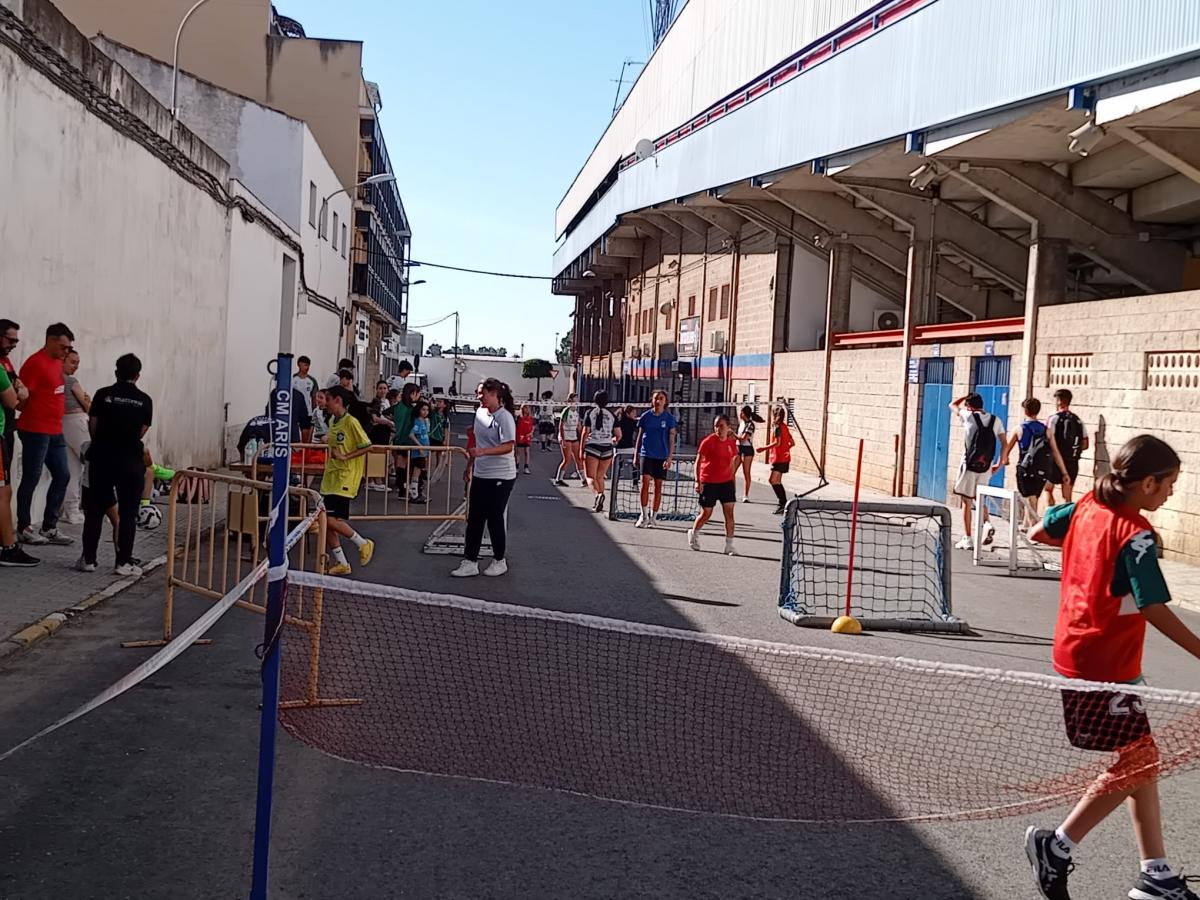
42	441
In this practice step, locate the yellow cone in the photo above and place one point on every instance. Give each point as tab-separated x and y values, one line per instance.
846	625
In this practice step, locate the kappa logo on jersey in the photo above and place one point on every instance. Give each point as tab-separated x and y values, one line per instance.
1141	543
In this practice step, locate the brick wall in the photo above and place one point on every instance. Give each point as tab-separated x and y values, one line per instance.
799	377
1103	351
863	403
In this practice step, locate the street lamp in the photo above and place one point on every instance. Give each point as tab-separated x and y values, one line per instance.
175	63
382	178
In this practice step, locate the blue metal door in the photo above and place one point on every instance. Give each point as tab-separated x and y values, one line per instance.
934	456
993	375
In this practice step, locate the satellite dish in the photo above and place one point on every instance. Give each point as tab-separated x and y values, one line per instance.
666	306
644	149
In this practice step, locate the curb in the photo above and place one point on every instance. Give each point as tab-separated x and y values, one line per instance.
49	624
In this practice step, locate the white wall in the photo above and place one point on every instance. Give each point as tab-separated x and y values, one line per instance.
439	371
99	234
806	304
714	47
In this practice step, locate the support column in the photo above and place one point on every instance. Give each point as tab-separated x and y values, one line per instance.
1046	285
918	292
837	320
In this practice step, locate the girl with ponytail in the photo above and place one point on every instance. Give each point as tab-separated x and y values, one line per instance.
1111	587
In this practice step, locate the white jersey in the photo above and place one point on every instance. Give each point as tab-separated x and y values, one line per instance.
570	423
600	423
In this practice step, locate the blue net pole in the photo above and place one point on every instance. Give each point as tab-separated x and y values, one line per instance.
276	583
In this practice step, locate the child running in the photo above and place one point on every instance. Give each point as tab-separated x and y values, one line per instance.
655	445
747	418
600	432
344	471
568	439
717	462
779	455
1111	587
525	426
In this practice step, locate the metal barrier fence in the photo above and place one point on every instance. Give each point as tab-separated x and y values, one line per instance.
216	543
379	502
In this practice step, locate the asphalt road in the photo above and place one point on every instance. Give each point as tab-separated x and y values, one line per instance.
153	795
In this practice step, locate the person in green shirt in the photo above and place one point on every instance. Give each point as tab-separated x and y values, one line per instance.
401	414
11	553
438	432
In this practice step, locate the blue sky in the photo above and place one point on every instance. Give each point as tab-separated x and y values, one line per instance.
489	110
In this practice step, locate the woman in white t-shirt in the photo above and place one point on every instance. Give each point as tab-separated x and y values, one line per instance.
493	474
599	435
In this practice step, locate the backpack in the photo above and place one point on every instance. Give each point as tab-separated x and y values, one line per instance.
1035	464
981	444
1068	434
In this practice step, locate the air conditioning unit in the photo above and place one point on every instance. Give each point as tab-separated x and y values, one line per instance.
888	320
716	342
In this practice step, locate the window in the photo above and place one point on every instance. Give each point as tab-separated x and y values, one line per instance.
668	318
692	305
323	227
312	204
712	305
724	301
344	239
645	321
335	231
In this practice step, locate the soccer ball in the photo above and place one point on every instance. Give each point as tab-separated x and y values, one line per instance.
149	517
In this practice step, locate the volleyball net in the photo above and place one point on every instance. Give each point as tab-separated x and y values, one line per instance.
683	720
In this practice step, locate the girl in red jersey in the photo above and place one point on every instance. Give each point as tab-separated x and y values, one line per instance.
717	462
1111	587
779	455
525	425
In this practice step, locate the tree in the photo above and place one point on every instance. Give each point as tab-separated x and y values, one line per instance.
565	346
537	369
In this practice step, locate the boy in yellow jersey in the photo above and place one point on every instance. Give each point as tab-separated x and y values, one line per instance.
344	471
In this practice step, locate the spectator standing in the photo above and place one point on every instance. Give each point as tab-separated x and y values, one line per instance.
11	553
76	405
120	417
306	385
10	336
420	458
320	416
546	426
493	474
1068	440
40	427
344	365
402	377
402	422
439	433
525	426
983	437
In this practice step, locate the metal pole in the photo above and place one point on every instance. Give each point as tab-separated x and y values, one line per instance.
276	586
454	381
175	60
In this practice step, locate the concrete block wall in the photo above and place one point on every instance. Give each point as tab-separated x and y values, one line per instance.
800	377
1110	341
755	307
863	403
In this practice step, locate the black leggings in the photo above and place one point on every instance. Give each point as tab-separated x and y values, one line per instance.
489	499
124	478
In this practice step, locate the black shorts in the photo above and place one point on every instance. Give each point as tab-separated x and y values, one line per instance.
1054	477
654	468
745	450
546	429
712	494
1104	720
599	451
337	506
780	467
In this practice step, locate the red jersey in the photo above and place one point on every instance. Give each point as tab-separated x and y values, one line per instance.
43	412
1099	635
525	425
714	459
783	451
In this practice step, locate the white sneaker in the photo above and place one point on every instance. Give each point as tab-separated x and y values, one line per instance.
746	499
128	570
729	548
498	567
653	523
643	521
82	565
693	540
73	518
965	543
30	535
377	486
466	569
989	534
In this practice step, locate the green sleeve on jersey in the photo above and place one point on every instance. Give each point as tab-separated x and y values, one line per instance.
1138	572
5	384
359	435
1058	520
562	417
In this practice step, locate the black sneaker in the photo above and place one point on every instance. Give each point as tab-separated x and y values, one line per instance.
1173	888
1050	870
779	510
15	557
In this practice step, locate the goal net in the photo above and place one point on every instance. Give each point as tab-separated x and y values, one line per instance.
685	720
901	565
680	502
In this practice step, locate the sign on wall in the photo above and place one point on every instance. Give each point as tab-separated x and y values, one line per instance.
689	336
